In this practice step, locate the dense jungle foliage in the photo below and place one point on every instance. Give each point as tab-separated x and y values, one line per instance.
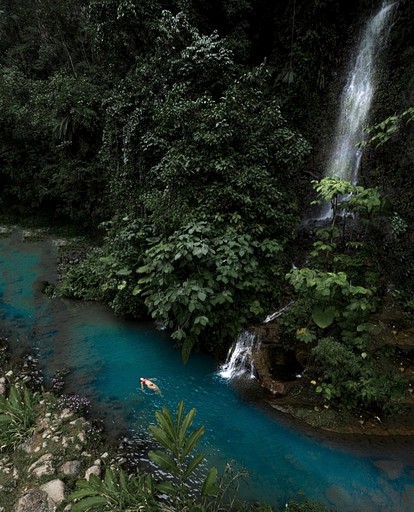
189	133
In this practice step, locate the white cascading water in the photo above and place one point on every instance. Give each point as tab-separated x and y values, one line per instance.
345	159
278	313
239	360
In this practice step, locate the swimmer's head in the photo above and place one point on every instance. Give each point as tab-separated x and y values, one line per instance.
142	379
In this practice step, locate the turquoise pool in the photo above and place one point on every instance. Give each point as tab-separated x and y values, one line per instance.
108	356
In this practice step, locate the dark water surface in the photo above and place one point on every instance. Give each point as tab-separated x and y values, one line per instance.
108	355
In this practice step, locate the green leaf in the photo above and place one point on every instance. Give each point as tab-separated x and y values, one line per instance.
123	482
179	415
162	437
186	349
137	290
123	272
193	463
110	479
14	397
202	320
192	440
166	487
94	502
201	296
166	422
164	461
81	493
209	488
323	318
187	422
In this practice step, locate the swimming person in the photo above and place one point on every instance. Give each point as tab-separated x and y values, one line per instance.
150	385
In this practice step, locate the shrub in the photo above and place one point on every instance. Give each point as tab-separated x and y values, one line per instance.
17	417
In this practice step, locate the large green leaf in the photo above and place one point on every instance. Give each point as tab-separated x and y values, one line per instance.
167	487
82	493
192	440
161	436
166	422
163	460
110	480
180	410
209	488
92	503
186	424
323	318
193	463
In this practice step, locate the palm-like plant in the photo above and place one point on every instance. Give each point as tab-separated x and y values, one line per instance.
177	458
115	493
119	493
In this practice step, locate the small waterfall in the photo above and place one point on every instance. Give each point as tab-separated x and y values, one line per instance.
239	360
278	313
356	99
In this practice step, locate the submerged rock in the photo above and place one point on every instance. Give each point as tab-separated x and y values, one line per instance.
392	468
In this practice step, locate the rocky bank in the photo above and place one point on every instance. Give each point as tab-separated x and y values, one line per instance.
61	448
287	375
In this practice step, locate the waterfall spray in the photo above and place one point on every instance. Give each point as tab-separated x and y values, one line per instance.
239	360
356	100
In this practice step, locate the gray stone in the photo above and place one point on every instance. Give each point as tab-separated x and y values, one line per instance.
43	466
66	413
31	445
81	436
71	467
2	386
55	489
93	470
46	469
35	500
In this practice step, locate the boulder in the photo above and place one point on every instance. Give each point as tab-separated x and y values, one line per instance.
93	470
55	489
43	466
70	468
35	500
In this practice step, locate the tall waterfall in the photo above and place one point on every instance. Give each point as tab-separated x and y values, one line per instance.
357	97
240	357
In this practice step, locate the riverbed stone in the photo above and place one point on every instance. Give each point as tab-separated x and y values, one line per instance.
2	386
55	489
393	469
339	497
407	497
66	413
35	500
93	470
43	466
71	467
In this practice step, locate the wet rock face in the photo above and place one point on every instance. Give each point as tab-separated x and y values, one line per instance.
276	367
